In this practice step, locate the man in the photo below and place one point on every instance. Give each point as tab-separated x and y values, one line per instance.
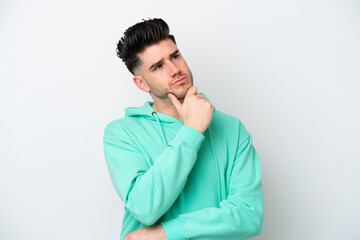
183	169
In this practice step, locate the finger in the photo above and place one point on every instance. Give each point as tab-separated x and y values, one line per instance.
201	96
192	91
175	101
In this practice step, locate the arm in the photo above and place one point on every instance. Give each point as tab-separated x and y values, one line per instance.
240	215
160	184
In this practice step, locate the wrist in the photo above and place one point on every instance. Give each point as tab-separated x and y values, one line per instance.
197	128
162	232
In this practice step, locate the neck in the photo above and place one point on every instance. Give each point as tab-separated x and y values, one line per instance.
166	107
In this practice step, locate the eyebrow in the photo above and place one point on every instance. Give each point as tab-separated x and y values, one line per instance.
174	53
161	60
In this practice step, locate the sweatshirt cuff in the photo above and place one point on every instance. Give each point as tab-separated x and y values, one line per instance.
175	229
192	137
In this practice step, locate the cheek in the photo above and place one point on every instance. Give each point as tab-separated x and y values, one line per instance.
184	64
158	81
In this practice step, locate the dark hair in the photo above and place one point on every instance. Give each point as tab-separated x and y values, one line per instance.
139	36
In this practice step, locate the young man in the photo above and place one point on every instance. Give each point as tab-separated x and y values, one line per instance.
183	169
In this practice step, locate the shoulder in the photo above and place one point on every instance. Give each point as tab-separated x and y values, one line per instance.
226	119
118	127
221	116
229	124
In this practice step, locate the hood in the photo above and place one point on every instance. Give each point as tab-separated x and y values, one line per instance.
146	111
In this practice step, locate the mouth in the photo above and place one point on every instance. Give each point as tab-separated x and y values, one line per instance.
179	81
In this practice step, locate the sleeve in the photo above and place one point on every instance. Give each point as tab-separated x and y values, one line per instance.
148	192
240	215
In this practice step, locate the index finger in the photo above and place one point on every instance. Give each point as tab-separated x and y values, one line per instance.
175	101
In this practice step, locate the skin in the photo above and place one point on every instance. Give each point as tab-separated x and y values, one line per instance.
148	233
157	79
162	65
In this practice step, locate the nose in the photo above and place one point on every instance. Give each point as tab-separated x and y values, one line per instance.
173	69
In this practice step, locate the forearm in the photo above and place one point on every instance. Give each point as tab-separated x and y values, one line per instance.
154	192
239	216
230	221
149	193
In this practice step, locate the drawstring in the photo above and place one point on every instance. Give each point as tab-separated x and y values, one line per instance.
162	132
220	197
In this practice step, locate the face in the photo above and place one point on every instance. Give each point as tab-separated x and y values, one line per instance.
163	70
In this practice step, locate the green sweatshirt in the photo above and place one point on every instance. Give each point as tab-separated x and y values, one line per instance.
198	186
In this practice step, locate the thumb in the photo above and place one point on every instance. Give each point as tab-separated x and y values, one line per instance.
175	101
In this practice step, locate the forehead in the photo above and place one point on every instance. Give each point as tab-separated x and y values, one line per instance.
157	52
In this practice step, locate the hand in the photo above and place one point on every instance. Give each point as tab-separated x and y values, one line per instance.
195	111
148	233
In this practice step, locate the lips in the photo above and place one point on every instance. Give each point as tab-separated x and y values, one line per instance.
179	81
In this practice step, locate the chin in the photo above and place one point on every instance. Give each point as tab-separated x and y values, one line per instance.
180	91
181	94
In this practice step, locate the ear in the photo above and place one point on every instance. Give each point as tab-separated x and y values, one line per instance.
140	83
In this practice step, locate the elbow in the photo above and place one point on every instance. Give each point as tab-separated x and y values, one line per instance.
257	229
148	221
250	221
145	212
257	225
144	216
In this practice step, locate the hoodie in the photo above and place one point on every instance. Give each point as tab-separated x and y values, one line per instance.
198	186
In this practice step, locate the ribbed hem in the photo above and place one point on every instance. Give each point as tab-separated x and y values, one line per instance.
192	137
175	229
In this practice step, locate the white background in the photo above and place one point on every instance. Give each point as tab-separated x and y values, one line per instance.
288	69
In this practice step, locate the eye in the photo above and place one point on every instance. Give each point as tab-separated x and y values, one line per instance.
175	56
157	67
